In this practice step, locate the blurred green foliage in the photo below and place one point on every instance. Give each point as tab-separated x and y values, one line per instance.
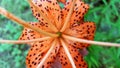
105	13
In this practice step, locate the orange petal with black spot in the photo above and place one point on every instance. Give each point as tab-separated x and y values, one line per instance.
37	52
29	34
63	58
84	30
51	59
48	7
79	11
77	57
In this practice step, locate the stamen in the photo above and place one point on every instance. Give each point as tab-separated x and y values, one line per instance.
24	41
90	42
50	25
25	24
68	53
66	22
47	54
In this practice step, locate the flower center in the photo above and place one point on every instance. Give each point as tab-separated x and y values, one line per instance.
59	34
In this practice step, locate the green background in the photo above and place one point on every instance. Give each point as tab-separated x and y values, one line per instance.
105	13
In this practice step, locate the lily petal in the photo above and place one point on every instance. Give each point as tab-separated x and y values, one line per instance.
49	7
84	30
52	57
77	57
63	58
79	11
29	34
37	52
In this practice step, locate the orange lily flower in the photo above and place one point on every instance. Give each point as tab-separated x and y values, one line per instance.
58	35
65	22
